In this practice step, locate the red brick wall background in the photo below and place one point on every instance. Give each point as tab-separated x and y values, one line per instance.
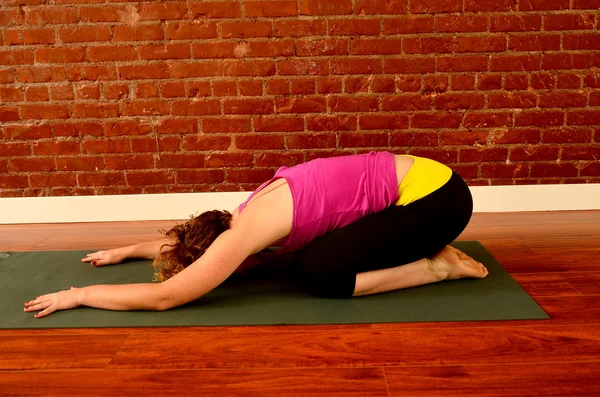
121	97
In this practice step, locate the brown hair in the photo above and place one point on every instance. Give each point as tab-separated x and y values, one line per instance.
190	241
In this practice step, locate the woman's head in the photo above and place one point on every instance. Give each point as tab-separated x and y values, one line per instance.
190	241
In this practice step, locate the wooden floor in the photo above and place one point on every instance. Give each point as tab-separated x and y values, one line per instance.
554	256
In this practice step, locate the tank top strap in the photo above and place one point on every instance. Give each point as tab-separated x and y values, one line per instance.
261	187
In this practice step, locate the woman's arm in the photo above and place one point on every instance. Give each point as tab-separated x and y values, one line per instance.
147	250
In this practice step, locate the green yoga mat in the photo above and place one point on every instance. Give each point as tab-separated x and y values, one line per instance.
256	300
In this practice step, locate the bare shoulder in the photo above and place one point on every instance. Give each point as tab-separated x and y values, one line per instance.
267	218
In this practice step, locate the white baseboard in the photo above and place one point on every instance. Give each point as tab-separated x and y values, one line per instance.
182	205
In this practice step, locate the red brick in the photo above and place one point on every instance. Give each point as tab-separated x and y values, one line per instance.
315	104
198	89
353	103
375	46
516	135
329	85
231	30
154	107
149	178
312	141
406	65
436	120
299	28
534	43
383	122
226	124
251	88
56	148
563	99
487	120
429	45
164	51
466	171
169	143
515	23
11	149
259	142
325	7
6	76
459	101
16	57
142	72
163	11
595	98
542	81
37	94
229	160
258	9
407	102
9	113
461	23
515	82
489	82
490	5
13	182
352	85
29	36
204	142
331	123
534	153
515	63
572	81
567	135
590	169
45	111
178	126
590	117
539	118
443	156
200	176
271	49
381	7
76	129
569	22
144	145
52	180
138	161
92	73
580	153
101	179
224	88
84	34
215	9
354	27
303	86
321	47
469	137
566	61
586	4
137	33
482	154
539	5
463	82
302	67
27	164
429	7
146	90
41	74
356	66
105	146
196	30
116	91
589	41
414	139
511	100
51	15
363	140
248	106
481	44
408	83
249	175
178	161
278	87
474	63
102	14
196	107
553	170
278	124
278	159
408	25
504	170
383	84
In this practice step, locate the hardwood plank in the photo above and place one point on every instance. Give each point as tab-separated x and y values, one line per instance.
545	284
565	379
19	352
425	346
206	383
586	283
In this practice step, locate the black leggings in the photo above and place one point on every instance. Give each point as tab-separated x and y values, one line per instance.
395	236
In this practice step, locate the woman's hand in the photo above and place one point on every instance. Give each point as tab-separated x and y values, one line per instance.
63	300
108	257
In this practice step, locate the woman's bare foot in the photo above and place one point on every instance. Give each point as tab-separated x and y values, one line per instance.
452	264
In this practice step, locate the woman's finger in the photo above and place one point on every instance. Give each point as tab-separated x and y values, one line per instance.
34	308
45	312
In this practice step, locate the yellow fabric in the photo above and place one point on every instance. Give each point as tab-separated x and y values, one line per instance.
424	177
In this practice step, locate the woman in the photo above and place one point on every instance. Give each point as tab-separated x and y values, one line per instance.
358	225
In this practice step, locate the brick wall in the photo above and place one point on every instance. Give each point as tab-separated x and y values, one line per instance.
122	97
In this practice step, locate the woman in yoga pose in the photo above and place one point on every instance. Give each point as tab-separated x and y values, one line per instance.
357	225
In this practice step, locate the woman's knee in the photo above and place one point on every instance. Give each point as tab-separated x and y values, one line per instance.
330	285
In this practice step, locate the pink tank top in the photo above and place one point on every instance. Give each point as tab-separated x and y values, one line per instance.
330	193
